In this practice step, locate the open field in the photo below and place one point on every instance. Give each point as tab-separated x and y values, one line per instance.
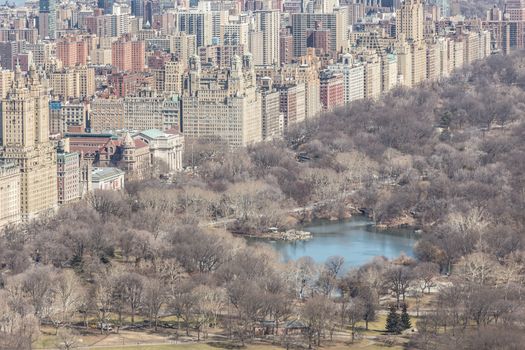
366	345
166	340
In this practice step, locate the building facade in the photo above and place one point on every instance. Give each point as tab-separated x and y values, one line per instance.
68	175
223	104
10	182
25	141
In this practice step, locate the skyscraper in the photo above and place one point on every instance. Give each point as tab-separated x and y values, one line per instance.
515	9
72	51
444	6
335	23
25	141
196	22
410	21
268	22
128	55
47	19
68	175
223	104
412	51
10	193
137	8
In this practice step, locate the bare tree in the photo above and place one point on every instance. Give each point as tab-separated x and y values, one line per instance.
133	292
67	340
318	314
355	312
153	300
103	301
68	294
334	264
397	280
38	284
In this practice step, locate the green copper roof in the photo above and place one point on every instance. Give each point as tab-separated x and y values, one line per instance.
152	133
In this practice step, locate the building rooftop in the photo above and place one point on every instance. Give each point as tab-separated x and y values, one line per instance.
100	174
153	133
89	135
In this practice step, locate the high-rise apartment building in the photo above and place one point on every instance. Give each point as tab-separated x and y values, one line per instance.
173	72
443	5
306	72
128	55
101	57
47	17
410	18
25	141
137	8
456	54
255	46
332	90
143	111
8	52
372	73
419	63
198	23
68	175
223	103
10	178
335	23
63	116
234	34
353	76
42	52
6	80
106	114
269	23
114	25
515	9
292	103
272	118
73	83
219	18
285	48
506	34
389	71
183	46
412	52
72	51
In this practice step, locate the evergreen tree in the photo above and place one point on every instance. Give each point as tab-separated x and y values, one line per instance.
405	318
393	322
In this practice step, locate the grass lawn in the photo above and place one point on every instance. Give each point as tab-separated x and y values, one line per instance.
376	327
360	345
145	340
187	347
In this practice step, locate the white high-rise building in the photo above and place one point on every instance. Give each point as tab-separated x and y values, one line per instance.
268	22
354	78
235	34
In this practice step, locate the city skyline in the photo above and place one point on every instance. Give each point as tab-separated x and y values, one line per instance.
262	174
241	74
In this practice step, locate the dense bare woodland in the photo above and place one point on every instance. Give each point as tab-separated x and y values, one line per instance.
447	157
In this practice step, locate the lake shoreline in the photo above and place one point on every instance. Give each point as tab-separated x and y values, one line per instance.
357	239
305	221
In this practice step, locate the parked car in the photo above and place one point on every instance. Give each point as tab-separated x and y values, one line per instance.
105	326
